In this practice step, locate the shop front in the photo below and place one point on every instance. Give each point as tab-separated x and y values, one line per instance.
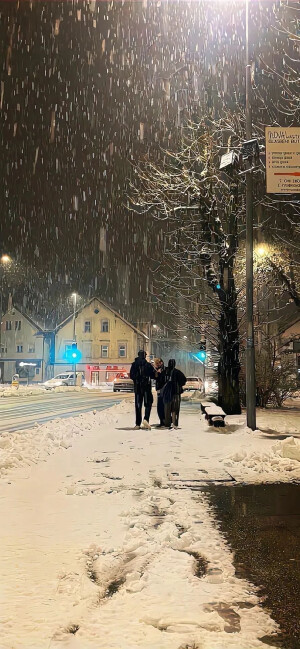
97	374
29	371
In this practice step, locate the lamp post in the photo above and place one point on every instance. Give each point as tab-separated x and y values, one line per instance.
5	260
74	296
250	352
151	328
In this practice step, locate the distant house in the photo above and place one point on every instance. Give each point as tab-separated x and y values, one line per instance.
289	337
108	342
24	348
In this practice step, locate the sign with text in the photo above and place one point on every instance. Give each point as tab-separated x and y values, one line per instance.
283	160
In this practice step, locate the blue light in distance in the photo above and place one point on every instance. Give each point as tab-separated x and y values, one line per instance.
200	356
73	355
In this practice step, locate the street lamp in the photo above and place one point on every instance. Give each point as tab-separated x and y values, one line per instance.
250	352
151	327
74	296
5	260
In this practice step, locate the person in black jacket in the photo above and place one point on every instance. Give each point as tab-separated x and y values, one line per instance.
175	380
160	379
141	372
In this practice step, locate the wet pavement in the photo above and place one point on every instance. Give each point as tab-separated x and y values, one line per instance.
262	525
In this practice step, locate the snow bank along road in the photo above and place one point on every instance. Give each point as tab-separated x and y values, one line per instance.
104	547
16	413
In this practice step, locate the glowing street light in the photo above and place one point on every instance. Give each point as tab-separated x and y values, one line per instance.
5	259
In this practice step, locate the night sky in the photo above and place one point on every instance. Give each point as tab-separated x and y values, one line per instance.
88	89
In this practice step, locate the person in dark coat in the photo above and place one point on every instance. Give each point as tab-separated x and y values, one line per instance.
160	379
175	380
141	372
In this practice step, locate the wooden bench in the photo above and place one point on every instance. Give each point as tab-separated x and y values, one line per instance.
215	415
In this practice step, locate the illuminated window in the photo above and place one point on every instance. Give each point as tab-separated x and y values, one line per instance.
122	350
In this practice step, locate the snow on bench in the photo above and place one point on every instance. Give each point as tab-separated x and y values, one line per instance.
215	415
205	404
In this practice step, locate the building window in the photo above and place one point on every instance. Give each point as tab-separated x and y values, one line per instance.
105	326
122	350
104	351
31	348
19	349
8	325
37	370
86	349
3	349
18	325
87	327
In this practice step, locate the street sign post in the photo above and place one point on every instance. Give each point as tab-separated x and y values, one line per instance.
283	160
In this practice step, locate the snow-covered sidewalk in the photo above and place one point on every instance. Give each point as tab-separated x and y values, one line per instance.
104	547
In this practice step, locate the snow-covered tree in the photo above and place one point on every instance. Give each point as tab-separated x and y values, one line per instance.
203	208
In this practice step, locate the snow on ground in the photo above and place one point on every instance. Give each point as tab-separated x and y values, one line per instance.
7	390
102	547
103	386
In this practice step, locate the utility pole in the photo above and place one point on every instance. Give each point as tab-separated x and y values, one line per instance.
250	352
74	295
1	306
5	260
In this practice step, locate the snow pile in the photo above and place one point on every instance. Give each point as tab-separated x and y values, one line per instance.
281	461
33	390
67	388
289	448
104	386
24	448
191	395
22	391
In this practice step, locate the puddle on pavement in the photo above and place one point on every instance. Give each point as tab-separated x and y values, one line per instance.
262	526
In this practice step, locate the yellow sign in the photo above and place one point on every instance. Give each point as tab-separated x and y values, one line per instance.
283	160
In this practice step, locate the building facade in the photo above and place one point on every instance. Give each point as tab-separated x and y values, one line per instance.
24	349
290	339
108	342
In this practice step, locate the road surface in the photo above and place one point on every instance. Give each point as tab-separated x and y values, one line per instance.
17	413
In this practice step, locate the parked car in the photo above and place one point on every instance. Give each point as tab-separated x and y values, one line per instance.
123	382
66	378
193	383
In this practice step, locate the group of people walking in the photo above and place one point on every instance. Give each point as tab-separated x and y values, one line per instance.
169	382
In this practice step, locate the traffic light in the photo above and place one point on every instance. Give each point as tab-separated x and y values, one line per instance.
73	354
201	354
